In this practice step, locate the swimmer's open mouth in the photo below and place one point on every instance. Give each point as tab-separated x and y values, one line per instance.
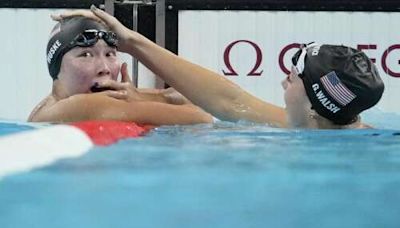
95	88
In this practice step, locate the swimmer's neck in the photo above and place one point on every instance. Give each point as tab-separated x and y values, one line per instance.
319	122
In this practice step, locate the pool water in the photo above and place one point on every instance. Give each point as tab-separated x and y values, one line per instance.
9	127
224	175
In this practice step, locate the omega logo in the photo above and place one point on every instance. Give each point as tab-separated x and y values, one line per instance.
282	55
231	71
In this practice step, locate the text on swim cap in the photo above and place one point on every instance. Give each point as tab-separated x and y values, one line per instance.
324	100
315	50
53	49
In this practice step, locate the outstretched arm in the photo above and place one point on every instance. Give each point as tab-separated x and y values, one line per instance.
214	93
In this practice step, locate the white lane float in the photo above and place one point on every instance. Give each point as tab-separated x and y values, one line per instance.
36	148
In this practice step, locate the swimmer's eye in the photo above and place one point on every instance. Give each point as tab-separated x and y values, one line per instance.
111	54
86	54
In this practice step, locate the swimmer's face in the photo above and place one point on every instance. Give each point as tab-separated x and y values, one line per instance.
296	100
82	67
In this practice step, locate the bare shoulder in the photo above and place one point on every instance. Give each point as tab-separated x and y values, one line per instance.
41	107
365	126
357	125
74	108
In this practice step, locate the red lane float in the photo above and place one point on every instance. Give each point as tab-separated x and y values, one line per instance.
31	149
104	133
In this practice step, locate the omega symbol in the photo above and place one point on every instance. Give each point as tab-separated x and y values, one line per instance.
230	71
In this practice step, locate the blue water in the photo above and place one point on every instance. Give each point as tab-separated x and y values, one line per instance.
226	175
7	128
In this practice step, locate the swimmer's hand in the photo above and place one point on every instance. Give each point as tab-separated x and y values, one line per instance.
75	13
124	90
174	97
123	33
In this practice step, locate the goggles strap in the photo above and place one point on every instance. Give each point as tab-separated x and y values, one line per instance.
301	61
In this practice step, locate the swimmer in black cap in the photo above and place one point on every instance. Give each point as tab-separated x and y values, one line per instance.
82	61
329	86
340	82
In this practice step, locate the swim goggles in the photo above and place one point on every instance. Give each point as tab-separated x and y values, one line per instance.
298	59
91	36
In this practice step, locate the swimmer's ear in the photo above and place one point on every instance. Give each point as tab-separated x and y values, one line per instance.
124	73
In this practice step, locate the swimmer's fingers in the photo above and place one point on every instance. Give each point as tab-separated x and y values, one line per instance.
128	95
174	97
114	85
124	73
109	20
75	13
55	17
120	95
123	33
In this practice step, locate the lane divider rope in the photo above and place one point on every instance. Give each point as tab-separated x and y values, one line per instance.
40	147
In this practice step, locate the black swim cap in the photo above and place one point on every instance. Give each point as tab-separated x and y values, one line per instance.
62	35
340	81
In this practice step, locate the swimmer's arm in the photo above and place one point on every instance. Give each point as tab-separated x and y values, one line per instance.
209	90
169	96
100	107
204	88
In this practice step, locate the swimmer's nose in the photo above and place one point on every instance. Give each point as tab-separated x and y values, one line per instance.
102	68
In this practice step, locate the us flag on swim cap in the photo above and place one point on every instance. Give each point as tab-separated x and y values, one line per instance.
338	91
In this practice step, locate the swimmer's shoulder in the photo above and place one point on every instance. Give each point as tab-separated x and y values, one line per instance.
42	107
357	125
364	126
73	108
50	106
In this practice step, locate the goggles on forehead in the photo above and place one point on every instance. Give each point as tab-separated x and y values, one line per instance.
90	37
298	59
